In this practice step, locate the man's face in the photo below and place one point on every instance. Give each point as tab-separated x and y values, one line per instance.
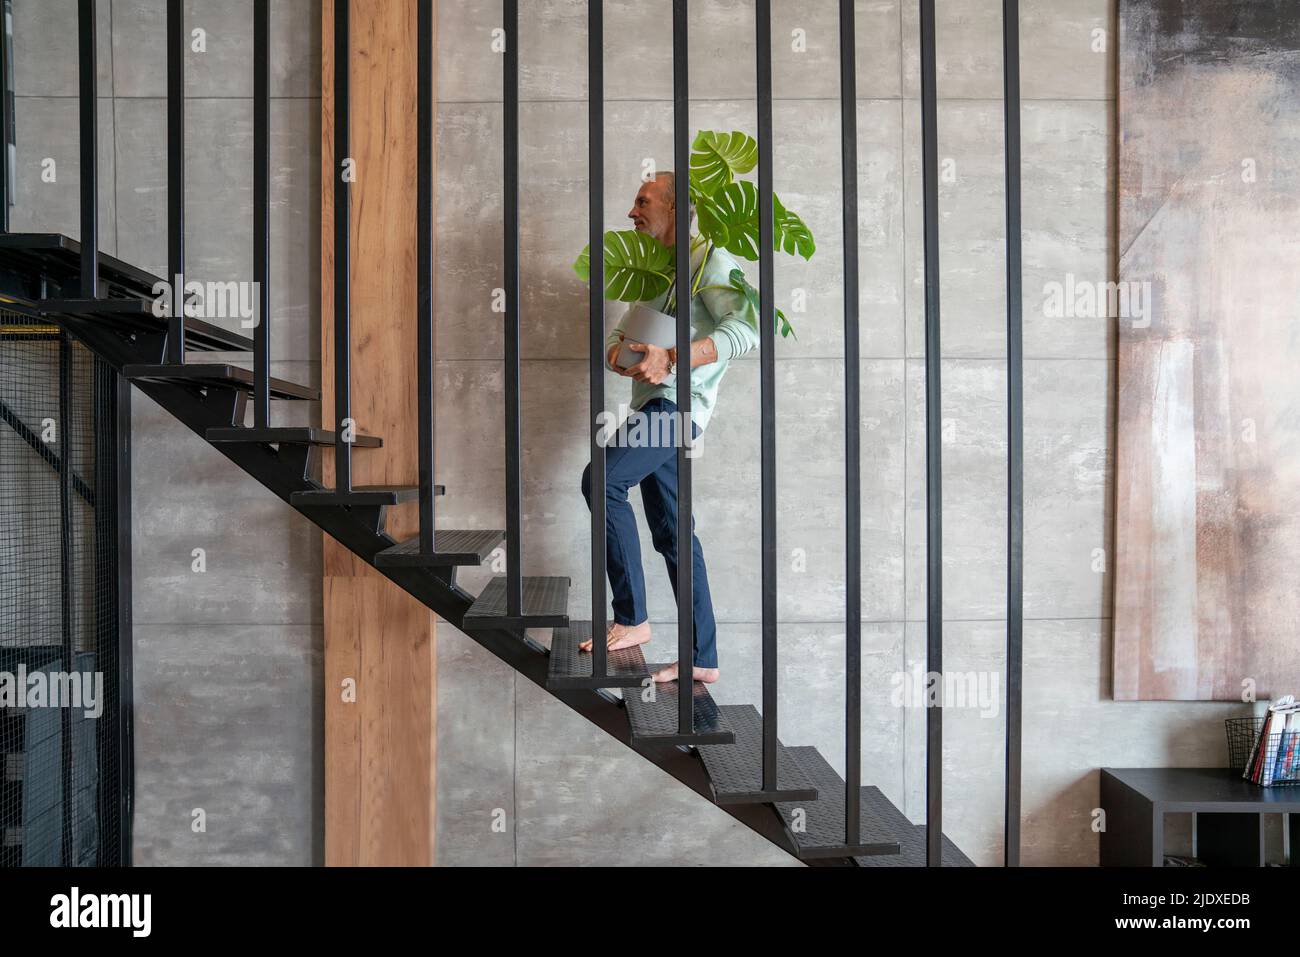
653	211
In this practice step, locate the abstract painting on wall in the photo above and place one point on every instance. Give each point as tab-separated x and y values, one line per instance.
1207	589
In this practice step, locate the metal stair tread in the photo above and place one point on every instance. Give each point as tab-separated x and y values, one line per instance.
912	841
64	252
570	669
452	546
218	374
545	605
287	435
822	834
736	770
654	722
366	495
200	335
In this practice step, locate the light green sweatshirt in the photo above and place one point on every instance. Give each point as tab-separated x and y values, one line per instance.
723	314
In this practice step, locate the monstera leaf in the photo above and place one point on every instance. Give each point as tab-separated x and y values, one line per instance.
742	286
789	233
637	266
717	158
729	219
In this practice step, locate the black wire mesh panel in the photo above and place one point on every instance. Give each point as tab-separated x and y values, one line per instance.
59	749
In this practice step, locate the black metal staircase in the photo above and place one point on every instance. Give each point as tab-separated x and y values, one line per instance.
729	754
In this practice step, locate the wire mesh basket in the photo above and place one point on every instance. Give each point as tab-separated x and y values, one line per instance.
1271	763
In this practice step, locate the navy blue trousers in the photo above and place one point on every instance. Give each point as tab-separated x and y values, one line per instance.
650	461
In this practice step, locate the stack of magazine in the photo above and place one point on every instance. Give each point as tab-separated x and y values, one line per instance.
1275	758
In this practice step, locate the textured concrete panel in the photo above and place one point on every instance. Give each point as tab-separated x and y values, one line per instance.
45	48
1069	474
219	205
974	732
225	68
973	455
972	236
1067	482
1072	728
1063	54
227	720
262	557
805	50
585	799
811	685
968	49
476	754
1068	223
1062	57
47	129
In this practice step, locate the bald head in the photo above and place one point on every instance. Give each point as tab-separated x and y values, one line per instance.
655	209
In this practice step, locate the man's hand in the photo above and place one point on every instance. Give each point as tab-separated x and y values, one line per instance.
611	356
654	367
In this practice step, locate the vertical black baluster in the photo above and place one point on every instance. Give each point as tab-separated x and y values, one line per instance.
104	586
933	425
1015	431
176	179
514	496
596	324
262	212
342	253
685	554
89	134
65	590
424	269
767	386
121	601
852	424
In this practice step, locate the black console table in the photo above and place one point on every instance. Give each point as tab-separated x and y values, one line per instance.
1227	815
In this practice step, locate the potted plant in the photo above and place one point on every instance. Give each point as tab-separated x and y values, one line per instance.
638	267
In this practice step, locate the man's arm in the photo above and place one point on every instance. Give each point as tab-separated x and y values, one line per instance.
737	329
654	367
735	334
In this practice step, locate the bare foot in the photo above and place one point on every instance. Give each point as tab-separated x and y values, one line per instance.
706	675
618	637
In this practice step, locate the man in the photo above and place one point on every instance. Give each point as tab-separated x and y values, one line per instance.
723	326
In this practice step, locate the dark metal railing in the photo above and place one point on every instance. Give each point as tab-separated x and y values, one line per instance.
89	136
852	437
685	532
1015	432
767	389
933	432
342	254
426	108
262	212
514	493
424	265
596	321
176	179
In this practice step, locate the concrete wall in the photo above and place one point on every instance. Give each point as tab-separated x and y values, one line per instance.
227	661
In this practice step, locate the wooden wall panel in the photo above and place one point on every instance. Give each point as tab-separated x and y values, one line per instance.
380	751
